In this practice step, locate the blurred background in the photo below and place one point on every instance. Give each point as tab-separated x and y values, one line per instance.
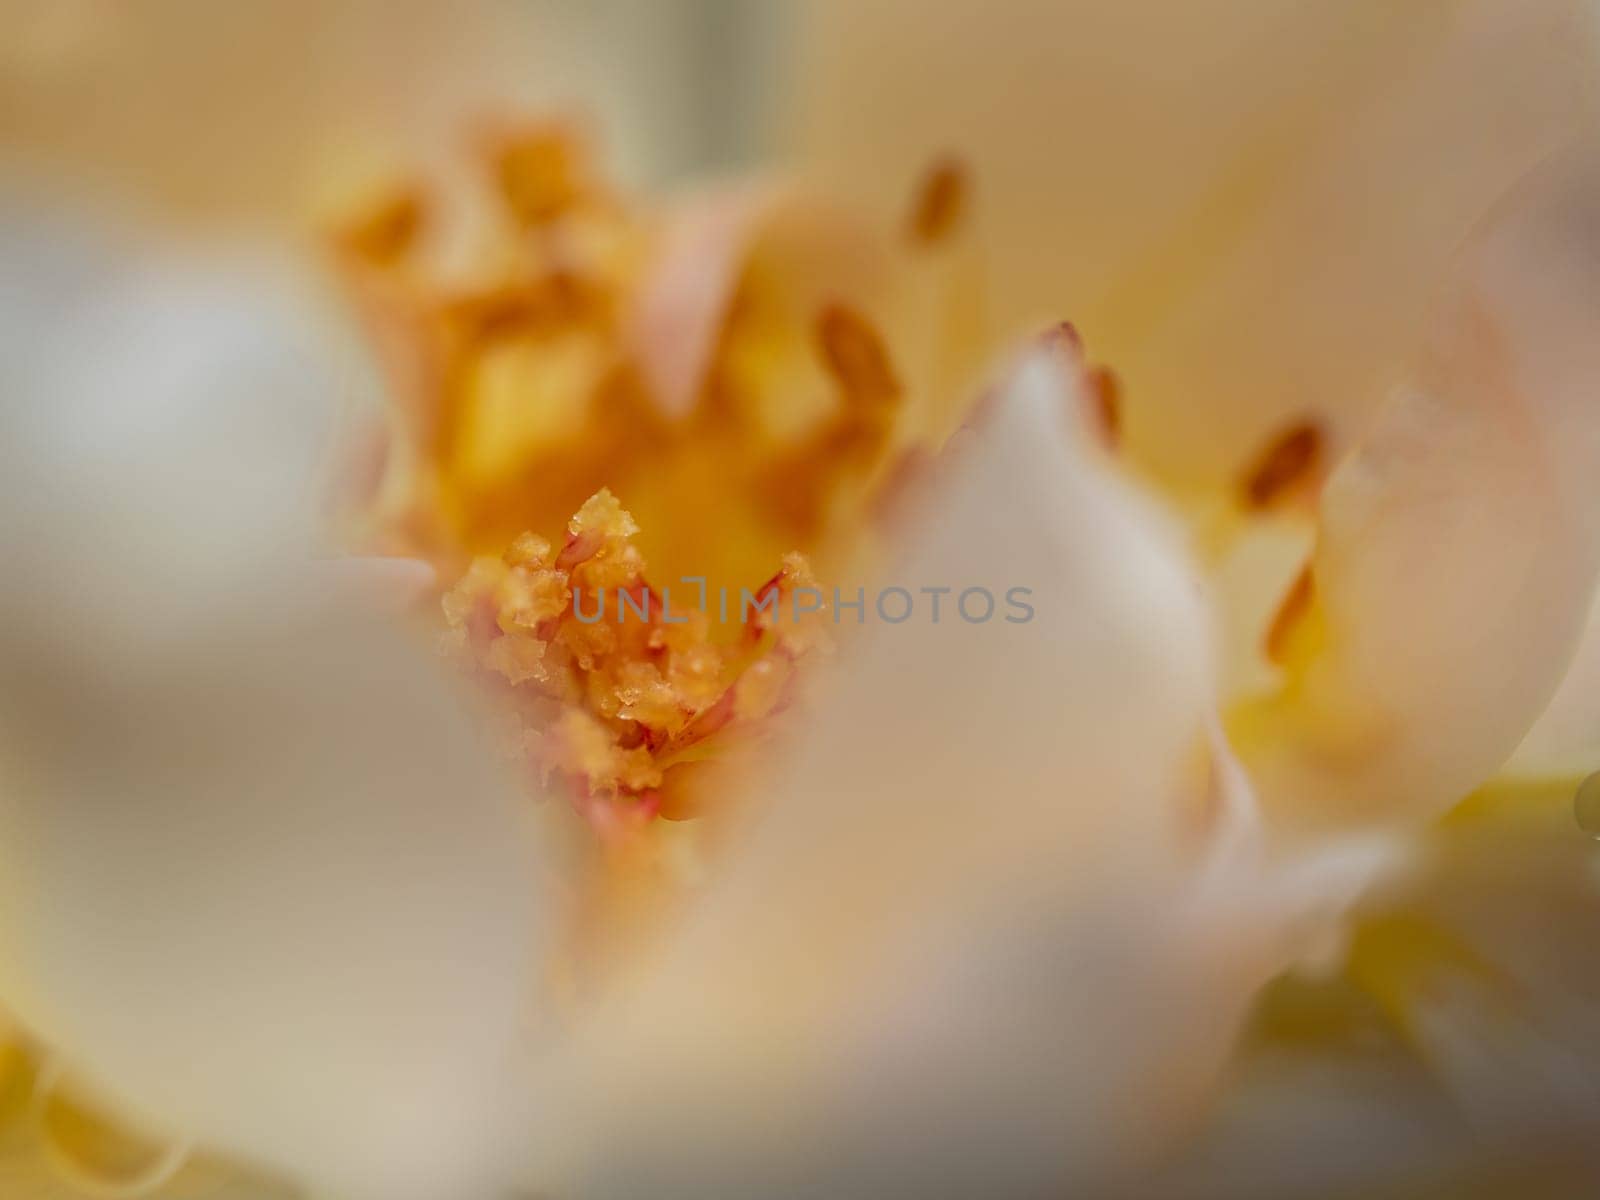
259	109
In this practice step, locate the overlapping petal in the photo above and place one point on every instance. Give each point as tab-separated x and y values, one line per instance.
973	930
1565	741
263	885
1455	1046
1460	544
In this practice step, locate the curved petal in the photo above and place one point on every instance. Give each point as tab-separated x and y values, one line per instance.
1257	570
1565	741
683	302
968	944
768	248
1454	1048
1243	203
274	900
1460	545
261	885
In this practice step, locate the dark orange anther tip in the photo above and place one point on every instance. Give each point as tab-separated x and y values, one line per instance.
941	202
540	170
1065	335
388	229
855	354
1107	390
1293	458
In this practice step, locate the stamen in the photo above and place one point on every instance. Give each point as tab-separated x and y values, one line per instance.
1292	459
608	694
540	173
941	202
519	395
799	484
1108	403
856	356
546	304
579	547
1291	612
387	230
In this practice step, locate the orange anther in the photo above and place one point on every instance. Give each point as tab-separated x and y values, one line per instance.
941	202
387	229
1294	457
856	355
1107	394
540	173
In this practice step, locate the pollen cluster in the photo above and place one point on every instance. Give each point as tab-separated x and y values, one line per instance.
625	700
526	361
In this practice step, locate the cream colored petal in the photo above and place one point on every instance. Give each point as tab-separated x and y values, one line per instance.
793	253
262	885
1460	545
972	944
1565	740
276	901
1454	1049
679	311
1245	204
378	584
1257	570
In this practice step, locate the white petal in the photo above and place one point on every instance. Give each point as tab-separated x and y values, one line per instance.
275	901
1254	575
961	947
377	583
261	884
1461	544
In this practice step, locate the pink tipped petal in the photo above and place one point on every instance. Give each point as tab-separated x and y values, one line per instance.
798	254
680	309
1461	543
